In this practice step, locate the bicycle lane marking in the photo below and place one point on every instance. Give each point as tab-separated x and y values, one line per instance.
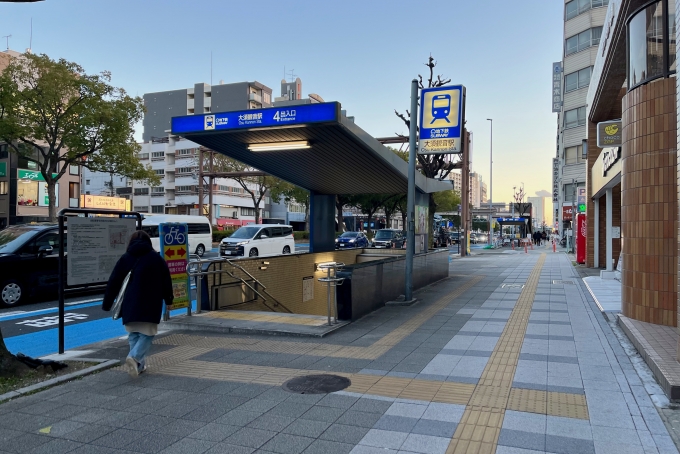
45	341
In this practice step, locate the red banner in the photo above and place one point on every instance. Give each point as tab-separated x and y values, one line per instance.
581	232
566	213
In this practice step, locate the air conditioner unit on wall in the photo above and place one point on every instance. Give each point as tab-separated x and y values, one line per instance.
234	214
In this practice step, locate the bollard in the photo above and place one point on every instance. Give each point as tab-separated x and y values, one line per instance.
329	296
513	244
532	245
554	246
199	288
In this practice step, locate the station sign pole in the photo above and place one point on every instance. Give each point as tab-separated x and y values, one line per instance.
411	196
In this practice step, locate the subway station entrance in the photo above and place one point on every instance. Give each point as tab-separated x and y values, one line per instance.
316	147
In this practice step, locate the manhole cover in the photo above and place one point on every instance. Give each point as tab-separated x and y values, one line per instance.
563	282
316	384
512	286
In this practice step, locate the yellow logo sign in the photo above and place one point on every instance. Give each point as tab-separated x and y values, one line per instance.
611	129
440	108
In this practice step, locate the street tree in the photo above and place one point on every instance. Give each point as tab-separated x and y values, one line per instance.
290	193
369	204
54	114
255	186
446	200
432	166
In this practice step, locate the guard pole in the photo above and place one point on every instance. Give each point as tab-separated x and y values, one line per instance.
554	245
62	272
525	247
411	196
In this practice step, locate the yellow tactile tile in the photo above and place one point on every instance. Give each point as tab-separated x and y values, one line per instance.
337	351
264	317
480	425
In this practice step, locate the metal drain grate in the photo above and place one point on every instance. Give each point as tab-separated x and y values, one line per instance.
512	286
316	384
563	282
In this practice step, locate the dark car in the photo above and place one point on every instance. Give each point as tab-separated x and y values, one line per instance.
455	237
388	238
29	262
350	240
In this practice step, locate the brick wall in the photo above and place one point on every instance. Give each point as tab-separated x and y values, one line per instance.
649	208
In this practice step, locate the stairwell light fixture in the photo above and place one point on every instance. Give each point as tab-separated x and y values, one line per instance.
278	146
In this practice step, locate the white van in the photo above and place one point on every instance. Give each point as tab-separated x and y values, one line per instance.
255	240
200	231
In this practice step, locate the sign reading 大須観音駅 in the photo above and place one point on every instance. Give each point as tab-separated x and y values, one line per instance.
609	134
442	119
254	118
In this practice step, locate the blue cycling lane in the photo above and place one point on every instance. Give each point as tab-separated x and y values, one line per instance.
35	333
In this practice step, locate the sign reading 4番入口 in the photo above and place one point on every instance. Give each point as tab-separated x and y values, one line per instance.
174	241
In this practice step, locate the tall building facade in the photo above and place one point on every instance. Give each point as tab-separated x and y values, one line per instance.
175	161
537	211
583	22
199	99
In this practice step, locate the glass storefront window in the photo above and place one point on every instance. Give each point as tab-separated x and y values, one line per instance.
651	44
27	193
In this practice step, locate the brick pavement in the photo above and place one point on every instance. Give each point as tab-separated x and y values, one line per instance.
497	358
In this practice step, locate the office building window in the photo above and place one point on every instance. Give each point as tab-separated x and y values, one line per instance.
157	155
141	209
157	209
159	171
143	156
572	155
575	117
570	192
651	43
4	151
577	79
247	211
583	40
576	7
141	191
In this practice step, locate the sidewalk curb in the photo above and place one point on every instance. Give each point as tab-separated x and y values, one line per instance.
173	325
104	364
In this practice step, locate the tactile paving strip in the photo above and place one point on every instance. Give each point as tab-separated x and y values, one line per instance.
480	426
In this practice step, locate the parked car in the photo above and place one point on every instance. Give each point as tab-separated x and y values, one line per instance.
255	240
455	237
388	238
29	262
350	240
199	229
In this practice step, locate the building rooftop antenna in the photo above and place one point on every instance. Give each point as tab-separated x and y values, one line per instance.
292	75
7	37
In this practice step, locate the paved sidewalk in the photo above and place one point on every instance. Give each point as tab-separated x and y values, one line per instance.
508	355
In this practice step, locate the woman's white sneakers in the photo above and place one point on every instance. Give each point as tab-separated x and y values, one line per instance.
132	367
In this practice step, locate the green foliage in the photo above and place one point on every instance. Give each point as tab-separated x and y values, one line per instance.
447	200
55	114
291	193
255	186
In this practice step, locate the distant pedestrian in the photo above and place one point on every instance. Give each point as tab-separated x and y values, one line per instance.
149	286
544	237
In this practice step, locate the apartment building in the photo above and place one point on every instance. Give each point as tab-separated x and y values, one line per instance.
477	187
583	22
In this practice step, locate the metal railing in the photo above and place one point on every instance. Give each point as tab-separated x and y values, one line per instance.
332	280
195	269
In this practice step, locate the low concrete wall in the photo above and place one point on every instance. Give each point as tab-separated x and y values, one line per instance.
370	284
373	278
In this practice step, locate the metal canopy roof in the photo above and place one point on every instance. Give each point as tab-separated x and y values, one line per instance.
342	159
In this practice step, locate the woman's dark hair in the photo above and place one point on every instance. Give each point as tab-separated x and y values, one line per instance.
139	235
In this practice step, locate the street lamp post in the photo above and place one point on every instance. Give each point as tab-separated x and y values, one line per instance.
512	202
490	182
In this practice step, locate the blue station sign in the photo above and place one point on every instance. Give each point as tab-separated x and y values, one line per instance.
500	220
257	118
442	118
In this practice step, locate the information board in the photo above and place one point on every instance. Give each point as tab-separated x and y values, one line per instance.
174	240
94	246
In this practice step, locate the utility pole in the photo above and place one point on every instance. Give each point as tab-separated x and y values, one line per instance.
573	214
490	181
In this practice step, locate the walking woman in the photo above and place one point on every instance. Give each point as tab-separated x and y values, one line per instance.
149	286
